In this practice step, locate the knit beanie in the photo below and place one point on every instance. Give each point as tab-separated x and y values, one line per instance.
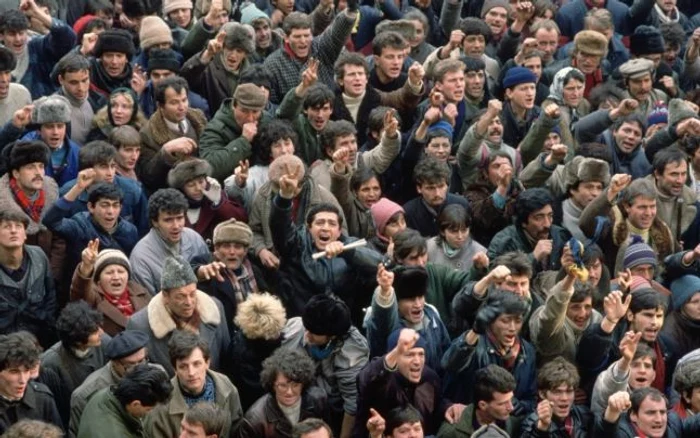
233	231
176	273
518	75
490	4
438	129
108	257
659	114
393	340
637	283
173	5
646	40
382	211
163	59
51	109
187	170
81	23
250	13
326	315
683	289
115	40
638	253
8	60
410	282
250	96
154	31
678	111
27	152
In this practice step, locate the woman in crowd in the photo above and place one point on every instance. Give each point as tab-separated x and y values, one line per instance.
122	109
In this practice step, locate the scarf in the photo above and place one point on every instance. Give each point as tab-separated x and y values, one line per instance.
644	234
682	412
571	218
34	207
104	84
510	356
674	17
638	433
208	394
292	413
22	64
242	282
660	380
122	302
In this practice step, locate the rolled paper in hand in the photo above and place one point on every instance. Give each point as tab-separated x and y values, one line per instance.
351	245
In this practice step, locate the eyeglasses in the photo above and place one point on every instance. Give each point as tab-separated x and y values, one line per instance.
284	387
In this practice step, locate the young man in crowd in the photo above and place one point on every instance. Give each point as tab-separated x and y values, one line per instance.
13	96
204	420
110	66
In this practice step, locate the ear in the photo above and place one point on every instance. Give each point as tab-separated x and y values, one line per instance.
60	79
630	316
633	417
509	93
90	206
15	173
542	395
481	405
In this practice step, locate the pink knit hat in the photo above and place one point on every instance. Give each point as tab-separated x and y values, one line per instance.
382	211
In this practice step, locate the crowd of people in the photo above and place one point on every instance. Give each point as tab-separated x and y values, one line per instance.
345	218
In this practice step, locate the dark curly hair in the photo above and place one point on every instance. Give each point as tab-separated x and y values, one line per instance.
17	350
168	201
76	323
13	21
270	134
295	365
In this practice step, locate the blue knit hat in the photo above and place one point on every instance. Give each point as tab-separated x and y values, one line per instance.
683	289
394	340
518	75
440	125
658	115
639	253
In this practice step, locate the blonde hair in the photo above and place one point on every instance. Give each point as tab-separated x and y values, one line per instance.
261	316
126	95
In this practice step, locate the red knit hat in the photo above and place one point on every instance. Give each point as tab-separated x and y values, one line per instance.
382	211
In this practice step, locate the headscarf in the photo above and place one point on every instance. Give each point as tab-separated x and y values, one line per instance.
134	108
556	90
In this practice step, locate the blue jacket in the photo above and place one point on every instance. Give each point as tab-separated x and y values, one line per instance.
134	202
149	105
69	170
462	361
44	52
381	321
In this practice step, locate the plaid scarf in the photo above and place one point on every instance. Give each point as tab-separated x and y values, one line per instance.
122	302
243	284
32	208
510	356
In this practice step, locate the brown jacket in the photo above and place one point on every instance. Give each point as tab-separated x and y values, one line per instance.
82	288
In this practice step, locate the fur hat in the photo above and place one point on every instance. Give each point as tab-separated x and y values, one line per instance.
591	42
646	40
261	316
154	31
28	152
232	231
678	111
683	289
108	257
163	59
279	166
583	169
405	28
251	13
326	315
51	109
187	170
410	282
250	96
238	36
176	273
490	4
8	60
173	5
115	40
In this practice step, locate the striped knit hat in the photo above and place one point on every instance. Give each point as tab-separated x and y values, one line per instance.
639	253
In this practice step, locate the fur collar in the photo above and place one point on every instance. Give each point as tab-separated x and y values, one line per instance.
162	323
659	234
160	132
7	201
101	120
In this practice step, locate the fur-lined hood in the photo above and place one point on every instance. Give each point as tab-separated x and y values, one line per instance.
161	134
8	202
162	322
101	121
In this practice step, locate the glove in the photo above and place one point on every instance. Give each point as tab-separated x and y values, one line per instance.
485	316
352	5
213	191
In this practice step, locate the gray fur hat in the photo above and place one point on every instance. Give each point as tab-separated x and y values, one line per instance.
186	171
405	28
584	169
239	36
51	109
678	111
176	273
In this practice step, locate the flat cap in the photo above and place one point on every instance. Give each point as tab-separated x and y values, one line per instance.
126	343
637	67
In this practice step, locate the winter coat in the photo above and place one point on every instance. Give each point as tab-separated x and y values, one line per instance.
514	129
102	126
424	219
444	283
165	419
104	416
383	318
149	254
308	145
265	419
114	321
384	390
134	205
337	374
465	425
606	384
473	152
462	361
210	215
44	52
286	70
259	215
623	428
490	212
158	323
582	422
62	371
301	277
154	162
684	220
222	143
513	238
681	333
461	260
359	218
30	304
37	404
148	103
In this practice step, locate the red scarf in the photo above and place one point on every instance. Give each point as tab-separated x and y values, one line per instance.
510	356
288	50
638	433
122	302
32	208
569	426
660	380
680	410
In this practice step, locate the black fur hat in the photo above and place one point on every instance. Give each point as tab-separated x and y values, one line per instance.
27	152
327	316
